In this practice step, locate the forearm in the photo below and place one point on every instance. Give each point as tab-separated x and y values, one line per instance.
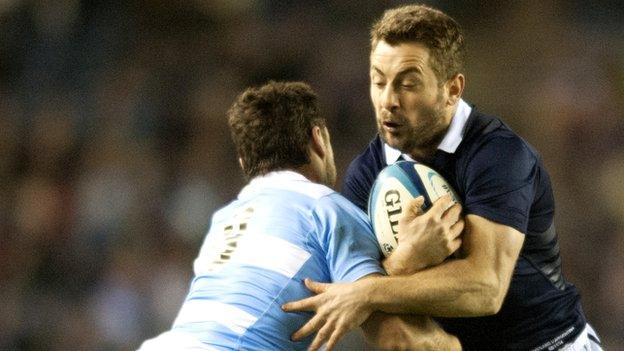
474	285
457	288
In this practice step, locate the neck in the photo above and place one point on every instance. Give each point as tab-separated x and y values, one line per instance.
426	151
309	172
424	154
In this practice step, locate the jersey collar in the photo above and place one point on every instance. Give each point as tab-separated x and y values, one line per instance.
449	143
285	180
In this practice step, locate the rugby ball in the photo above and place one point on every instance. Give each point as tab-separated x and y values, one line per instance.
392	190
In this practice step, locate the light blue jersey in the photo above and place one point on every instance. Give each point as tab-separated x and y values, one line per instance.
281	229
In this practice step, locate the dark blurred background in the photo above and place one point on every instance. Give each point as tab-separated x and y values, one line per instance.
114	148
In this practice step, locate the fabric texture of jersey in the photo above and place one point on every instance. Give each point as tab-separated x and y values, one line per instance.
501	178
281	229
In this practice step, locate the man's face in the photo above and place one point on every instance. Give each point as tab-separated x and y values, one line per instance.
409	103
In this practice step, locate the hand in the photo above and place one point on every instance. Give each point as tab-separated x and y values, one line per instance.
407	332
426	239
339	309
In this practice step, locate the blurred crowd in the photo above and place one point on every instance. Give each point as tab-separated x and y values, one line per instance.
114	147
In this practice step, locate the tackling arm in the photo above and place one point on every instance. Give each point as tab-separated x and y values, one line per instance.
388	332
472	286
475	285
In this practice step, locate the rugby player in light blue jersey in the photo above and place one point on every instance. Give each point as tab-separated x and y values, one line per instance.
286	225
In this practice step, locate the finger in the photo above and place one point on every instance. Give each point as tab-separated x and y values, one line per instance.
314	324
453	214
455	245
456	229
316	287
338	333
441	205
321	336
415	205
307	304
413	209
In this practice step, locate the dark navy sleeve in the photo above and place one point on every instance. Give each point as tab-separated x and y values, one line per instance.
362	173
500	181
357	184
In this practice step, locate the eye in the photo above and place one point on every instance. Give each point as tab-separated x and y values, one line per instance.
378	83
377	79
409	84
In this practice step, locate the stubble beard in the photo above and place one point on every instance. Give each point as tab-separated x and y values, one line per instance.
422	139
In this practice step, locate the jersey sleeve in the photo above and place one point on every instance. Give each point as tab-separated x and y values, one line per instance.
500	182
357	184
347	240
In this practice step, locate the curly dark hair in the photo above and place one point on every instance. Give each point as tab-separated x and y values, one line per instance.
271	126
431	27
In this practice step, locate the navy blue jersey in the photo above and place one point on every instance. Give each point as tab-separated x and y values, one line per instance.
501	178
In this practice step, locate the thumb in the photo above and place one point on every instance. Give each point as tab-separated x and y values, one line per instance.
316	287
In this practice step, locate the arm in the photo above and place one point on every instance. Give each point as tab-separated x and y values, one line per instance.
472	286
389	332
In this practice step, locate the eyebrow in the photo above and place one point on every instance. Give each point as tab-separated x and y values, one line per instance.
373	68
409	70
401	73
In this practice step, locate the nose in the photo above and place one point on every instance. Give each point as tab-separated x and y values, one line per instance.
389	98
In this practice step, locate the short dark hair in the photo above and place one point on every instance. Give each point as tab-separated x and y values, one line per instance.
271	126
441	34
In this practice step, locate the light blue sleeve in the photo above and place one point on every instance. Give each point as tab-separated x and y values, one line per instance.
346	236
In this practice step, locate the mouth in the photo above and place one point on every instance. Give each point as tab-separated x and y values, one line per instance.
391	126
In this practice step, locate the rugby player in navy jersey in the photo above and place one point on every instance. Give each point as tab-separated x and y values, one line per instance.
506	290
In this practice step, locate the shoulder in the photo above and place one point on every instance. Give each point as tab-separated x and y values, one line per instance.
337	209
498	172
224	213
490	142
314	201
283	203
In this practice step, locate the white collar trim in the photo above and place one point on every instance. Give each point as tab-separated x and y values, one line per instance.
286	180
449	143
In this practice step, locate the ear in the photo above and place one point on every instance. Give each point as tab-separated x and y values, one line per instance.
317	144
455	88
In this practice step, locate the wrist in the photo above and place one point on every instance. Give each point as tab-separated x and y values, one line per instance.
393	265
403	262
373	293
366	289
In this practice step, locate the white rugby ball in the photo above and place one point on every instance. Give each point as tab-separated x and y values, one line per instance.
394	187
